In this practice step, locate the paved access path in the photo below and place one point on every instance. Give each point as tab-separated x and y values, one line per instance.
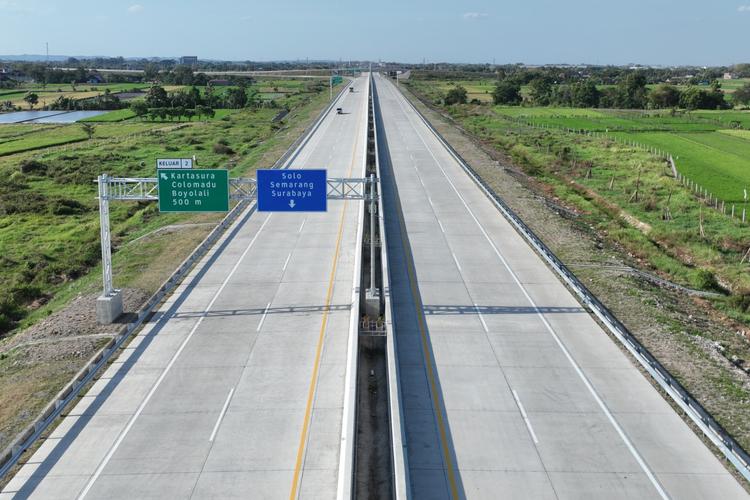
235	389
510	388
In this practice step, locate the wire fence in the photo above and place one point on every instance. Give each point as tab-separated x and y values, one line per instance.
701	193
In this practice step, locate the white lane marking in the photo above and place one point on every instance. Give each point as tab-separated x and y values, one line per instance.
441	226
525	417
221	416
169	366
581	375
263	318
302	225
430	200
286	263
481	318
456	261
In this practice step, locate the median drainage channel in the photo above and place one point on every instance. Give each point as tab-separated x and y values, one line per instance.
373	471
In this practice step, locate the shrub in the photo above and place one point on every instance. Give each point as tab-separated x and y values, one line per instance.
67	207
704	279
223	149
33	167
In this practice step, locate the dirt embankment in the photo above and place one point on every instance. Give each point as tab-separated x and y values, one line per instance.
37	362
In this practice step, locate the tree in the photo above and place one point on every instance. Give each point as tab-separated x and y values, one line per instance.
31	99
254	99
88	129
540	90
81	75
742	95
236	98
697	98
194	97
456	95
633	91
664	96
182	75
206	111
584	95
140	108
157	97
150	72
506	92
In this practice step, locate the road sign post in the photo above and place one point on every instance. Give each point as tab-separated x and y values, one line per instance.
292	190
187	190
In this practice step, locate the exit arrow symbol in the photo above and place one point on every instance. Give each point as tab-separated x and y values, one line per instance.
291	203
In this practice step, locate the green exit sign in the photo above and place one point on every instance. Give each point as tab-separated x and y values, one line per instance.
336	80
187	190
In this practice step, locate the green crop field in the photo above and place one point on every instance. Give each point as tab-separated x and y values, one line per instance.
725	118
40	139
717	161
113	116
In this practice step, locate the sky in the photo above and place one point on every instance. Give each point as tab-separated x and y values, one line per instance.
654	32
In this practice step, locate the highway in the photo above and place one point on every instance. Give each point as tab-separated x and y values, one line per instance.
235	389
240	386
510	389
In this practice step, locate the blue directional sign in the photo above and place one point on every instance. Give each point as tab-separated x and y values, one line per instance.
292	190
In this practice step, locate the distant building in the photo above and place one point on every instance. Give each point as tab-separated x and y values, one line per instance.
219	83
95	79
189	60
729	76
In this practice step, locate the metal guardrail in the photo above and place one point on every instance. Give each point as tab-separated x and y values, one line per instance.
26	439
729	447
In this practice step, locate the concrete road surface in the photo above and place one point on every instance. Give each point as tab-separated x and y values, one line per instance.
235	389
510	388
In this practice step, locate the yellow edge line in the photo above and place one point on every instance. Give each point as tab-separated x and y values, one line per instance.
319	349
428	361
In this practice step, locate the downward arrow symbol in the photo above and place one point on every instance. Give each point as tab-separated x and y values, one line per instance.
291	204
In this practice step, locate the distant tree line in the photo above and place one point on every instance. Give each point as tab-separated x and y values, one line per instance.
106	101
562	74
630	93
160	104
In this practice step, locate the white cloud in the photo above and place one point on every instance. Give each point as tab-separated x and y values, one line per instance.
135	8
475	15
743	8
246	18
